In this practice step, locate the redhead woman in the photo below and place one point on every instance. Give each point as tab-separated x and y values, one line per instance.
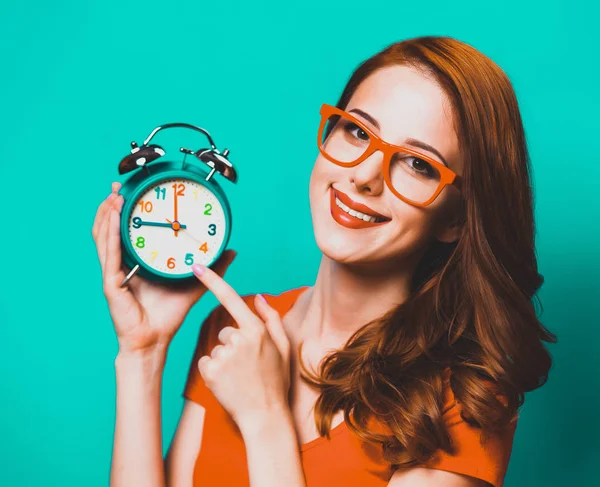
405	362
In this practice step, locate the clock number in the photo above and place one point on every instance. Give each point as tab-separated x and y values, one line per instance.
179	189
137	222
159	192
140	243
207	209
146	206
189	259
212	228
154	254
171	263
204	247
195	195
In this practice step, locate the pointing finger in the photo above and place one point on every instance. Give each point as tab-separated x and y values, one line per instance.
227	296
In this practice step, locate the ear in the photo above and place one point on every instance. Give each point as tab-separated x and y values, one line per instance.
450	225
449	234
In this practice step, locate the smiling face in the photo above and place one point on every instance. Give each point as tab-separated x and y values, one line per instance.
403	107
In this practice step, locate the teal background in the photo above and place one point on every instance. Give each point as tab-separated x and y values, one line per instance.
80	80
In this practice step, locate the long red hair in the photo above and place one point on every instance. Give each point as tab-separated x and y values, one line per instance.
471	308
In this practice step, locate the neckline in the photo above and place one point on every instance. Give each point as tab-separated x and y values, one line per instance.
336	430
296	293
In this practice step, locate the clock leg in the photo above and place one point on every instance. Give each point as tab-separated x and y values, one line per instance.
130	275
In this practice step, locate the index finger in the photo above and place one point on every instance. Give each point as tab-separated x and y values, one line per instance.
227	296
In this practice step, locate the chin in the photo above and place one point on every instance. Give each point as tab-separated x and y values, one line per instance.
337	248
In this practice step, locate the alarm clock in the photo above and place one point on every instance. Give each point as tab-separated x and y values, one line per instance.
174	214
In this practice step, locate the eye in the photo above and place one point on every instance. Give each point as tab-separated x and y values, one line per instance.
420	166
351	127
409	164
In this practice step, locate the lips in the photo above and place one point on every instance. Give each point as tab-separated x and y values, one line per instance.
347	220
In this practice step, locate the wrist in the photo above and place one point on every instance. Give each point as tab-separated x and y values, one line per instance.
146	358
142	343
154	350
265	422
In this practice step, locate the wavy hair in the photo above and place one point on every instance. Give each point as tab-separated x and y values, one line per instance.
470	312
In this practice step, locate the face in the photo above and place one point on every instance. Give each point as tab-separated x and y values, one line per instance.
406	105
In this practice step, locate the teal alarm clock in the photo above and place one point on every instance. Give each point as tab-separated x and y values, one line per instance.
175	214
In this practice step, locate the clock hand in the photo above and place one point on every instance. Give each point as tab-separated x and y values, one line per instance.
188	233
175	210
138	221
174	225
156	224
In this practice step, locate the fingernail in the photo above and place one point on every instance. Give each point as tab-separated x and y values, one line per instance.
262	298
197	269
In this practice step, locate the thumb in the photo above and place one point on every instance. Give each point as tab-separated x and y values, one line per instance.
273	324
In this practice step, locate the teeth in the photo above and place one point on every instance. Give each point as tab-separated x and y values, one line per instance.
357	214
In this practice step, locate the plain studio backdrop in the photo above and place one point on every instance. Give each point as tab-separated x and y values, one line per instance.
81	80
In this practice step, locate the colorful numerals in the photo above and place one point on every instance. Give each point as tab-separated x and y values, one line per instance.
146	206
152	225
179	189
171	261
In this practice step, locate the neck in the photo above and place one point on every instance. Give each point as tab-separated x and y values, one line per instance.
344	298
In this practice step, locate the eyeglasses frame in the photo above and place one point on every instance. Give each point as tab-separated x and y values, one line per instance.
447	175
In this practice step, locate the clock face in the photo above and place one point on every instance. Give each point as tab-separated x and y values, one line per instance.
176	223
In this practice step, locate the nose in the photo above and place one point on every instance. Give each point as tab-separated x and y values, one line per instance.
367	176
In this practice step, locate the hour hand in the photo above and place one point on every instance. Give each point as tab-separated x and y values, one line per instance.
138	222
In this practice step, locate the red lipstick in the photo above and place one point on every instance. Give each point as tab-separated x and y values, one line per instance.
347	220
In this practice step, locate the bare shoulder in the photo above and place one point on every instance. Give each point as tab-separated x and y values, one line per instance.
428	477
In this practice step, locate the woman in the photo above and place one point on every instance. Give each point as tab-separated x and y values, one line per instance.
417	341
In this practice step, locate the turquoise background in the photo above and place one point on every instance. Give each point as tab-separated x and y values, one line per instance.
80	80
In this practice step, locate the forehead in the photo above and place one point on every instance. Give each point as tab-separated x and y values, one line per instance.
408	104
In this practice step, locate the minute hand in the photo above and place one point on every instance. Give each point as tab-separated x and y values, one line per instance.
191	236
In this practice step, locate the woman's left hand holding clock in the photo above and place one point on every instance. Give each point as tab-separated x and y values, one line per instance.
145	314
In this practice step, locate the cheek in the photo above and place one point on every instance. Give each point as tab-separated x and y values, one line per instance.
414	227
322	175
322	170
314	190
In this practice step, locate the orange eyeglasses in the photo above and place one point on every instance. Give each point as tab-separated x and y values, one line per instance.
412	176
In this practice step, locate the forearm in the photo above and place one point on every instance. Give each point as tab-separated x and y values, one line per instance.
273	452
137	451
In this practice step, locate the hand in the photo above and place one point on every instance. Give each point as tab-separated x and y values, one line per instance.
145	314
249	373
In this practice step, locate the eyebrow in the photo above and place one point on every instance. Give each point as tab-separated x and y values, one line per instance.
410	141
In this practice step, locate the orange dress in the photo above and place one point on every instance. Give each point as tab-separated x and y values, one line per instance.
342	460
